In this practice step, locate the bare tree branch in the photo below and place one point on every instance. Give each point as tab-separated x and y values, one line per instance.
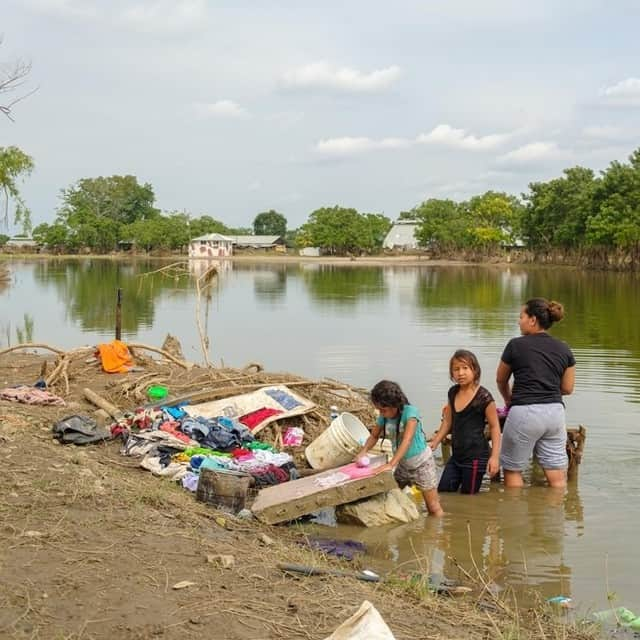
13	75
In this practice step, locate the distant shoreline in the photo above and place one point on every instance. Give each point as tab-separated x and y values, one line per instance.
400	261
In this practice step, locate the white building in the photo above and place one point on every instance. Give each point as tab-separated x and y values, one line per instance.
402	236
257	242
211	245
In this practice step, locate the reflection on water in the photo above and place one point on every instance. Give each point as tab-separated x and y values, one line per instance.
362	324
512	539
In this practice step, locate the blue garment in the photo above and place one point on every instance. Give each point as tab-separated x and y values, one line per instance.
390	429
176	412
283	398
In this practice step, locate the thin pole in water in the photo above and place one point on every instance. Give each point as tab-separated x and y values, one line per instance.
119	314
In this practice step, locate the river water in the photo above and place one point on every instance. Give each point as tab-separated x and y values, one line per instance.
363	323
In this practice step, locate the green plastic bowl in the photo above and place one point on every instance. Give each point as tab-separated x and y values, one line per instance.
157	392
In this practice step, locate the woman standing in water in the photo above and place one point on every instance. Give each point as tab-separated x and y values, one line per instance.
543	370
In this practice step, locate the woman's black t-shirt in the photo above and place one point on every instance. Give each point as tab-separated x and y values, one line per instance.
467	426
538	362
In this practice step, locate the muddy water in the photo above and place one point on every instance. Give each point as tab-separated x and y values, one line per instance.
364	323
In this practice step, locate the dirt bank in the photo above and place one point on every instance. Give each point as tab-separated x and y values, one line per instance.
93	546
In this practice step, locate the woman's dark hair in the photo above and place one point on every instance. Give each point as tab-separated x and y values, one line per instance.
546	311
388	394
469	358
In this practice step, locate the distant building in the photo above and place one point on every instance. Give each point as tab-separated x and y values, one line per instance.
211	245
21	242
258	242
402	236
310	252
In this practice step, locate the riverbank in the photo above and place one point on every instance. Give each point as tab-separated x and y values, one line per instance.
95	547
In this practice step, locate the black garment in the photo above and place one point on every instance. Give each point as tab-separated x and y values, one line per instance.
466	476
538	362
467	426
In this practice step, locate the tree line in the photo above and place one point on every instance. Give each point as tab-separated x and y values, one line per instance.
578	211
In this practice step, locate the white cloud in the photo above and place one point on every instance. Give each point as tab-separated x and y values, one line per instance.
348	146
165	16
322	75
624	93
532	153
443	134
220	109
446	135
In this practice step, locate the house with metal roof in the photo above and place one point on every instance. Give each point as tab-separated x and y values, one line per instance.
402	236
211	245
257	242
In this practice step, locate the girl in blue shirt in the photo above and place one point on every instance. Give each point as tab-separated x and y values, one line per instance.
412	461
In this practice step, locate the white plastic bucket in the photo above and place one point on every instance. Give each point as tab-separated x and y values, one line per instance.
338	444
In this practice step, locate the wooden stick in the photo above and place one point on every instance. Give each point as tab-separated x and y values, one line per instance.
99	401
33	345
212	394
166	354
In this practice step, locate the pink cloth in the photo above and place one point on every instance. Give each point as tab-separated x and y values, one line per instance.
354	471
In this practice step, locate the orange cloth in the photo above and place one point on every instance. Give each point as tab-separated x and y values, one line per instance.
115	357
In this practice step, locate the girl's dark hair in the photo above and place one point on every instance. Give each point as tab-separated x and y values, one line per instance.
546	311
469	358
388	394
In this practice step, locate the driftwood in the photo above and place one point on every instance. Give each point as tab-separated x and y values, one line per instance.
99	401
33	345
166	354
212	394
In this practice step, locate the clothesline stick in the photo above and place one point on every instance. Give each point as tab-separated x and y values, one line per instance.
119	314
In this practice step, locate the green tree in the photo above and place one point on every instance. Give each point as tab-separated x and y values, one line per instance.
270	223
491	219
117	198
4	239
205	224
14	166
54	236
441	224
616	218
556	212
96	210
375	227
337	230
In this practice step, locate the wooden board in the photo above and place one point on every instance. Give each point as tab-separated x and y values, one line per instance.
291	500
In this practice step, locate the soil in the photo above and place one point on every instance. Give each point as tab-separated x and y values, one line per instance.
95	547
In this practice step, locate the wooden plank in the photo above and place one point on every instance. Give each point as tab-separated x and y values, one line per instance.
291	500
105	405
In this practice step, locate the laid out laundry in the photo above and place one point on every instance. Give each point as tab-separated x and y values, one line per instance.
253	419
283	398
293	436
190	482
115	357
346	549
30	395
177	412
281	401
79	430
214	433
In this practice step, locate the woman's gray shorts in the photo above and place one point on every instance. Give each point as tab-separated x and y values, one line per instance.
537	429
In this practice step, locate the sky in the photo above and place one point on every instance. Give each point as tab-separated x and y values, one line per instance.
233	108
